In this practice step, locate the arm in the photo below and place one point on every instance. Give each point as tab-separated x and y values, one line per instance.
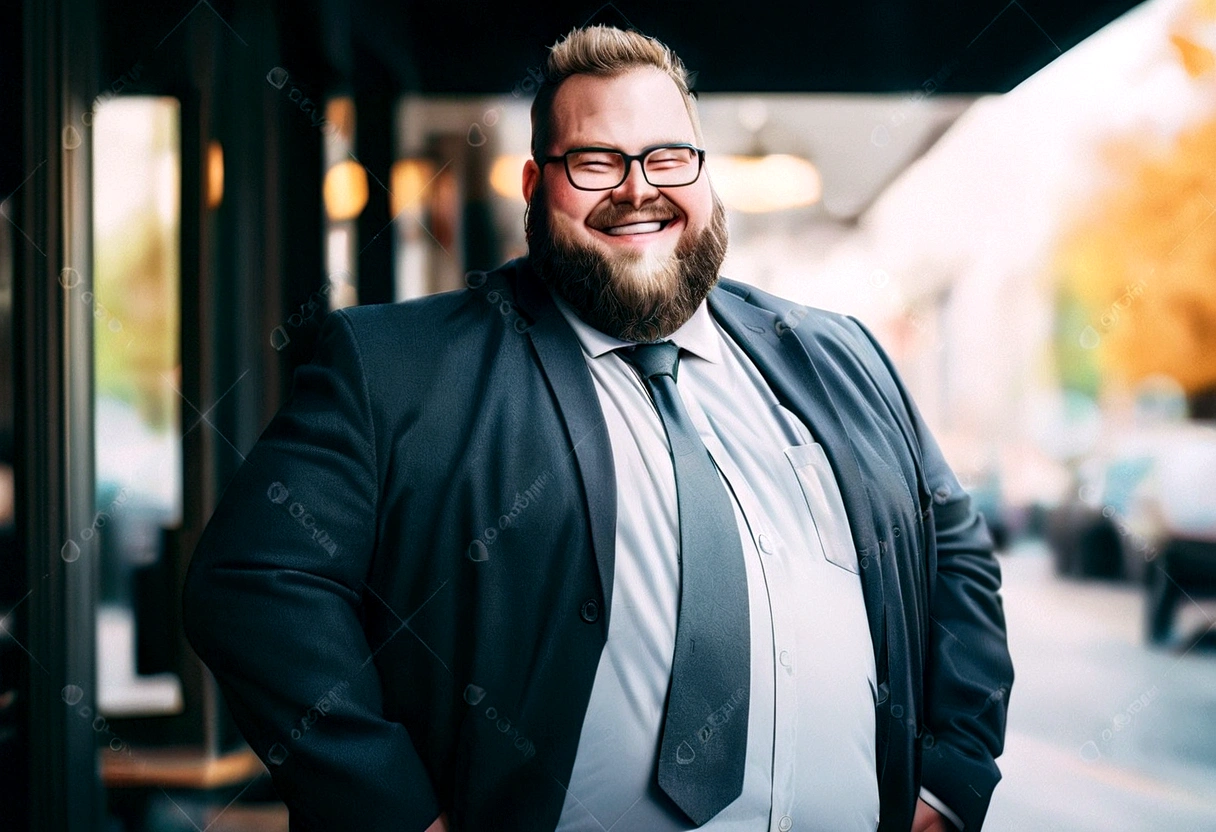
968	670
271	604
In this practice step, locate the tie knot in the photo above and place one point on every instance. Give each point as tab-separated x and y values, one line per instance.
657	359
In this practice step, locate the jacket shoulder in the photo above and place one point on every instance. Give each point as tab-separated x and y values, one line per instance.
811	322
435	322
844	350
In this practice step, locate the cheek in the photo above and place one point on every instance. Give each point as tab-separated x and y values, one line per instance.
570	208
698	208
569	220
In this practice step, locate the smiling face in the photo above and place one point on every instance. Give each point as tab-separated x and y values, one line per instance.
634	261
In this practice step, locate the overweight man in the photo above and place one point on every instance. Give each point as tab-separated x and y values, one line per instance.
605	541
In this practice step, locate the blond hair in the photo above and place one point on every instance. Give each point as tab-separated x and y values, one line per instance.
605	51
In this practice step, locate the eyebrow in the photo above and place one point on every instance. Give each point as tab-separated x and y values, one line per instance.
659	143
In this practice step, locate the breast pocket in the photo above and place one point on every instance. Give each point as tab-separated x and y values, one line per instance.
823	498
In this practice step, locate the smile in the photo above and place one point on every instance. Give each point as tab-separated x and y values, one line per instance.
637	229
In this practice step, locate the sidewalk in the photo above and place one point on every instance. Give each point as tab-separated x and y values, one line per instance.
1105	734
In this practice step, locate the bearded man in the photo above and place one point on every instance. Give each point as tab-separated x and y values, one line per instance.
610	541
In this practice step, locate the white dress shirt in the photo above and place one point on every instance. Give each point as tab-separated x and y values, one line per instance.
810	757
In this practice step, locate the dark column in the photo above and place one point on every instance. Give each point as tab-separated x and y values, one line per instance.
374	100
54	421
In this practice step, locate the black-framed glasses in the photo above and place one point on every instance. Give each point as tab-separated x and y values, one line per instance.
605	168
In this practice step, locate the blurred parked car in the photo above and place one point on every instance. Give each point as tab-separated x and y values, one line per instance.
1098	531
1180	498
986	497
1145	510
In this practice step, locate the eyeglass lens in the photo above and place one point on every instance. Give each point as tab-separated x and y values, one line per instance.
663	167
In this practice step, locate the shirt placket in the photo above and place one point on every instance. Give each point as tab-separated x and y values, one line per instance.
764	545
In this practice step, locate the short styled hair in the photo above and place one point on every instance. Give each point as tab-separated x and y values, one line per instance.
604	51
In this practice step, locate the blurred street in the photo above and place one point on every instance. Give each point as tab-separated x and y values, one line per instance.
1104	733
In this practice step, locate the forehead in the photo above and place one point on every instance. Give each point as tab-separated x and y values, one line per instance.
635	109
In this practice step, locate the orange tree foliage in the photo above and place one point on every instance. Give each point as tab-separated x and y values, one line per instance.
1141	267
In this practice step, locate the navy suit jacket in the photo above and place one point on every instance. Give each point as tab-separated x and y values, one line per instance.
405	590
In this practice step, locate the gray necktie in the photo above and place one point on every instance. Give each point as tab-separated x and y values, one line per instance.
705	730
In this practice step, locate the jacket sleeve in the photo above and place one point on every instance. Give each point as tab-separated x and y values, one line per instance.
272	600
968	669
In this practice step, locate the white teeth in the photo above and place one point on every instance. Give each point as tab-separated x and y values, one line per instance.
635	228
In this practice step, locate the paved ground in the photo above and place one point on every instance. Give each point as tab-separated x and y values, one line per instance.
1105	734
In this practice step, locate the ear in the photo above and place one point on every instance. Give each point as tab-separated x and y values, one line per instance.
531	175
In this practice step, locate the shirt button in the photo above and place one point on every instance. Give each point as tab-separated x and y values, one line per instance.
785	824
590	611
766	545
784	658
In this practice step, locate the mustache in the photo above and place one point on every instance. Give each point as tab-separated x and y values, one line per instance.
625	215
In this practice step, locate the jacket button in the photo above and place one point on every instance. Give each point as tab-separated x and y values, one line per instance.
590	611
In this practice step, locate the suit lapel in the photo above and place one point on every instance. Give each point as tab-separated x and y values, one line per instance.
781	359
562	361
790	371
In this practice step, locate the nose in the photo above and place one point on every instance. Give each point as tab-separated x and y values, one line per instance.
635	190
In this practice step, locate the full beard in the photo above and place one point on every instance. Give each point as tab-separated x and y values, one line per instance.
634	295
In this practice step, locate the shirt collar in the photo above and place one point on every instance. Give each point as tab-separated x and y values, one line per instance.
696	335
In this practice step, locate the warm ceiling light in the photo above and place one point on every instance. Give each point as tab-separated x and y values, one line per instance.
340	112
215	174
506	175
758	184
345	191
407	181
